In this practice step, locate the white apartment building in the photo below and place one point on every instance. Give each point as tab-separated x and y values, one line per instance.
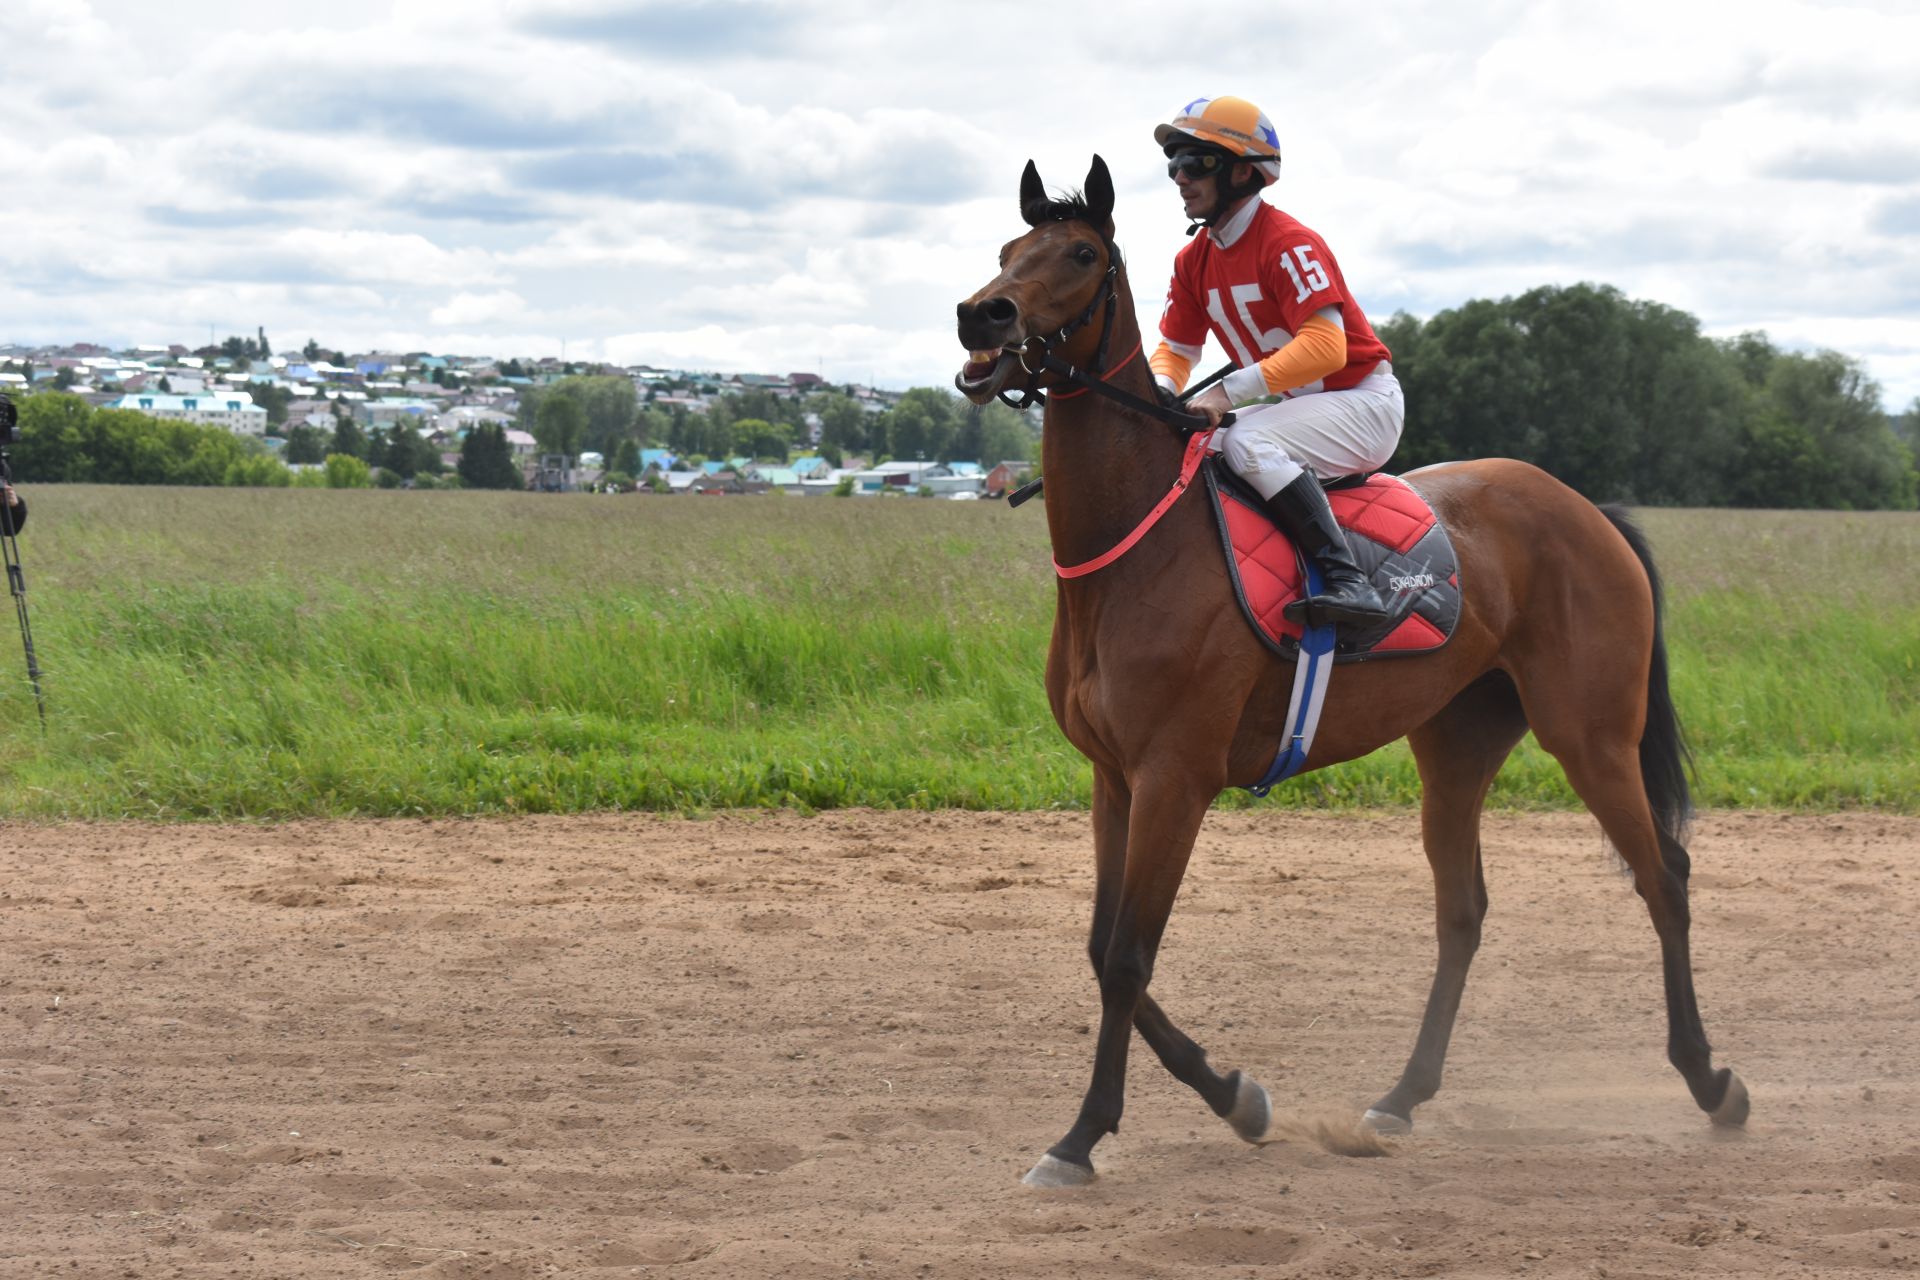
234	410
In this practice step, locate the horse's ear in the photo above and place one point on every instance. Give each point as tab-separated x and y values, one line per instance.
1033	195
1100	193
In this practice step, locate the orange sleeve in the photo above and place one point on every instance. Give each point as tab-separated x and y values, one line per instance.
1318	349
1170	364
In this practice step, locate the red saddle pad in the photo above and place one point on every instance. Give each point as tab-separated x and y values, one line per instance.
1396	540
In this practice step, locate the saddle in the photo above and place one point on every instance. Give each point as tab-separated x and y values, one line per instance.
1396	539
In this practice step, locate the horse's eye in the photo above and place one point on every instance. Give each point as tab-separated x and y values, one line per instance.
1084	254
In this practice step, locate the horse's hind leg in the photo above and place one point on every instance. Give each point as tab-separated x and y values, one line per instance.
1459	751
1602	762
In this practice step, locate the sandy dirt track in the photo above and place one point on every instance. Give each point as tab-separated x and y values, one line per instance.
826	1047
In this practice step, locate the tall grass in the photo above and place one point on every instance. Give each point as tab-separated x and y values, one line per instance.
222	653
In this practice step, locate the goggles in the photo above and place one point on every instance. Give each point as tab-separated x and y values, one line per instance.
1195	164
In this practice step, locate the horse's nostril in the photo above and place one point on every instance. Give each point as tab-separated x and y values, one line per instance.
1001	310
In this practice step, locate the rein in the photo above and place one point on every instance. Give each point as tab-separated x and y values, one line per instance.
1037	358
1189	467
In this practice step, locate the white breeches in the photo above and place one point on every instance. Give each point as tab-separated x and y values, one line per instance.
1336	433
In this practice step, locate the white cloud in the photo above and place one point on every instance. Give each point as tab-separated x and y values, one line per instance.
769	183
465	310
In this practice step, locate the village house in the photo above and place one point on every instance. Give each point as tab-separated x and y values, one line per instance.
783	478
382	413
1005	477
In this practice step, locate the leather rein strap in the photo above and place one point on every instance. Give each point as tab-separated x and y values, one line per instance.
1189	467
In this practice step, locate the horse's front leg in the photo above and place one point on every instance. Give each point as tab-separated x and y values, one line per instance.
1234	1097
1142	840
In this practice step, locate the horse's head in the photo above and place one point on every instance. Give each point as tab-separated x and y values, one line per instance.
1050	283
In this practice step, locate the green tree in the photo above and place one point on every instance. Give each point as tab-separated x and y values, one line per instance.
608	406
758	438
486	459
1619	399
626	458
652	428
344	471
1821	440
306	444
348	438
843	422
274	400
257	472
1907	426
923	425
402	450
561	426
993	433
55	434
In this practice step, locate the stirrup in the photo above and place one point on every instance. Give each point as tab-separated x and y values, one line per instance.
1324	610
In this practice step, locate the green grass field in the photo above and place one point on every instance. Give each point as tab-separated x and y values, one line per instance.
254	653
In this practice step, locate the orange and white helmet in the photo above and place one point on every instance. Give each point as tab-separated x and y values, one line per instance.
1233	125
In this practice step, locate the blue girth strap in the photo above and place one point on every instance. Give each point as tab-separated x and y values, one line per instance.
1309	692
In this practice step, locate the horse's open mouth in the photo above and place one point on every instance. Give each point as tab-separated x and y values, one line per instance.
985	372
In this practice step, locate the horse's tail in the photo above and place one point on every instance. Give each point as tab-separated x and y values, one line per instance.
1664	756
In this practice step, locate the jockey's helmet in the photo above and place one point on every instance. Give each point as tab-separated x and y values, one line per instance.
1231	128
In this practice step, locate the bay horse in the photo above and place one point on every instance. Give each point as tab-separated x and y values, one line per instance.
1153	675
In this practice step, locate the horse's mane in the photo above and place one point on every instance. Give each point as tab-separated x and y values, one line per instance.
1071	207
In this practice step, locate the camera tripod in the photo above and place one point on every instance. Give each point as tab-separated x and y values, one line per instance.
17	584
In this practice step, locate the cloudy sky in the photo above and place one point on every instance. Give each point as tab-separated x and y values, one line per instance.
766	185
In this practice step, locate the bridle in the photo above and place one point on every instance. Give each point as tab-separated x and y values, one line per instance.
1037	358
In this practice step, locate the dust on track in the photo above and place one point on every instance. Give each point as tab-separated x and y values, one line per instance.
768	1045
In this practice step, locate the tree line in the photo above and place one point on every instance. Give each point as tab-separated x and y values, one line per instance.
63	439
1627	401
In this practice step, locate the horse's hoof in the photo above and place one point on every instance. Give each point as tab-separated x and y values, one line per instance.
1055	1172
1386	1122
1252	1112
1732	1111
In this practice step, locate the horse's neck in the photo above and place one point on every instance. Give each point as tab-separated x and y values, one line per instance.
1106	465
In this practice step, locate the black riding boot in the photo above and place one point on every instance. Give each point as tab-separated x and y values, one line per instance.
1347	598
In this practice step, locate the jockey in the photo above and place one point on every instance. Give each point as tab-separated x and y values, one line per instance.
1270	292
